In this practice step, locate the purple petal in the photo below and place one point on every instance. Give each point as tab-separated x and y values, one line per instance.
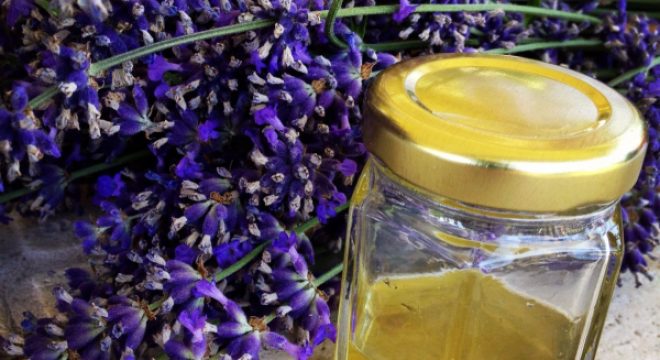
181	272
279	342
18	9
185	253
405	9
127	112
159	67
284	241
271	136
256	60
79	334
301	300
288	290
208	289
194	321
323	332
235	312
46	144
87	233
228	253
218	185
207	131
140	100
230	330
180	293
19	96
249	344
196	211
39	347
182	280
129	316
211	222
188	168
178	351
131	127
134	339
268	116
347	167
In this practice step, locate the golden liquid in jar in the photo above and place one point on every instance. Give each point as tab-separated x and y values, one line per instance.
458	315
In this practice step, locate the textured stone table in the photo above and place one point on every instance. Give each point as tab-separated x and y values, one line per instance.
34	255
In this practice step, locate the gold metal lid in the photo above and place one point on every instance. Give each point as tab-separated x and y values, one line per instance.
504	132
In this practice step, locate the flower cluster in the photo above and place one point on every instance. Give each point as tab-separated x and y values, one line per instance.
242	139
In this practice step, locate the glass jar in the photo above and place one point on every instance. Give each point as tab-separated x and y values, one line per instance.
486	222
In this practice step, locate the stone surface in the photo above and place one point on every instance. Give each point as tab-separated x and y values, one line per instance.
32	260
632	328
34	256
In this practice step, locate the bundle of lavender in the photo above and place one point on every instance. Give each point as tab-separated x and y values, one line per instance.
219	134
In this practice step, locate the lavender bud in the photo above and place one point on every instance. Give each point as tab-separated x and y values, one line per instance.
62	295
68	88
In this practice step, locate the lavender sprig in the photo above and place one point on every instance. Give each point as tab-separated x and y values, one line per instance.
251	116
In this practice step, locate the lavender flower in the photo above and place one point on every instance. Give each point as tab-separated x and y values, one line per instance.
129	322
182	280
193	345
405	9
293	287
244	336
21	136
249	135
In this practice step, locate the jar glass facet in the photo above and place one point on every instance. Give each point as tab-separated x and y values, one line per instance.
428	278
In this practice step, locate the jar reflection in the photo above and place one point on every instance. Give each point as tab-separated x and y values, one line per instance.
433	281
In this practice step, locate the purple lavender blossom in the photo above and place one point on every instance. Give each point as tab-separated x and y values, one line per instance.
182	280
129	322
245	336
250	135
194	344
405	9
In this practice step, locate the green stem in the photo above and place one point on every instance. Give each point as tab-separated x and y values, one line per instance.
96	68
270	317
335	6
397	45
106	166
426	8
220	275
302	228
77	174
16	194
388	9
335	11
45	4
155	305
528	19
516	49
317	282
546	45
654	2
105	64
162	356
328	275
650	14
43	97
315	221
605	74
632	73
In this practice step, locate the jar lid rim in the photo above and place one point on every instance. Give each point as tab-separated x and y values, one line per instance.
504	132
